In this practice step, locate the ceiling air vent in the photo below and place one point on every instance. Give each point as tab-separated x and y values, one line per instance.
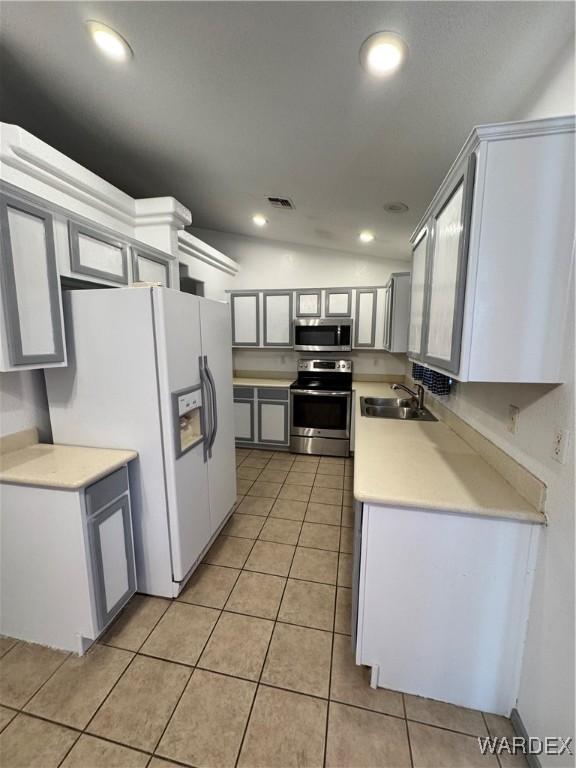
281	202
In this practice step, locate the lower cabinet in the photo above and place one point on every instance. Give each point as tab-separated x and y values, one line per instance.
67	563
262	416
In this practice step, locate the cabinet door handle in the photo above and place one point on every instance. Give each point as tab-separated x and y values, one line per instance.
206	408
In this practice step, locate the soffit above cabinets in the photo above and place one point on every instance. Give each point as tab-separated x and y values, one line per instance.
224	108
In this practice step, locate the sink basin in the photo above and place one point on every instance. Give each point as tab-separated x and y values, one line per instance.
389	402
402	412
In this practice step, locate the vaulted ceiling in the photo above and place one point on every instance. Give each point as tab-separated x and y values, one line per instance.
227	103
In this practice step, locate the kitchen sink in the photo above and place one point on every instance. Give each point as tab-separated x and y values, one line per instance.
403	412
389	402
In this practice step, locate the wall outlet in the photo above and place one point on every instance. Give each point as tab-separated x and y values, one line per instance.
512	423
560	445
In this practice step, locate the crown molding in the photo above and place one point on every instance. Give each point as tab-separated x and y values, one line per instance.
192	246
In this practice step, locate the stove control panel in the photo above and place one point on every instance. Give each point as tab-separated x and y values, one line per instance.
327	366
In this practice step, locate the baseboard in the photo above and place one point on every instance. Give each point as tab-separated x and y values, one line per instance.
520	730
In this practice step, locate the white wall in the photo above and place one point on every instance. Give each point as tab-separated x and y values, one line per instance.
268	264
546	700
23	403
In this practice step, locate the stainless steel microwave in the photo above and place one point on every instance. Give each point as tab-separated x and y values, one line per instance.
323	335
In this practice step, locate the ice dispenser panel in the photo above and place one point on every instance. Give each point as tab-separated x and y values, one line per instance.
188	419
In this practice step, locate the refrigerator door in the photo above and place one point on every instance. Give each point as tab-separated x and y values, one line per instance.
177	323
217	355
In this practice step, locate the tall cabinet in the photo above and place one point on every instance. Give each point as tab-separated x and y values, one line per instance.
493	257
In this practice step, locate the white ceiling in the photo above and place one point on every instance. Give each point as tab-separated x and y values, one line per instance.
226	103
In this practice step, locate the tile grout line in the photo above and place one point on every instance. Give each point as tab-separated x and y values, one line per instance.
263	663
407	730
325	756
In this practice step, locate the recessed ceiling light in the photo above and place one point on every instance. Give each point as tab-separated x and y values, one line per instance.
366	236
382	53
259	220
109	41
395	207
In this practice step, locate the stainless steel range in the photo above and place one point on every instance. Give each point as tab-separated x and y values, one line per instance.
321	405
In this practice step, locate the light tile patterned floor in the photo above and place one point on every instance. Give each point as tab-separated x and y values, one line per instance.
251	666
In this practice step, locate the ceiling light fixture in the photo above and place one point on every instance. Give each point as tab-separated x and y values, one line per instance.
366	236
382	53
112	45
259	220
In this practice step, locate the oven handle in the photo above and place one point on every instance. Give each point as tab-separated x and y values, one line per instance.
346	393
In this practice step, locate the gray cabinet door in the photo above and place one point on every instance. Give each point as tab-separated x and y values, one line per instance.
277	312
30	286
111	558
273	424
245	317
97	254
150	267
365	330
417	292
446	279
244	420
338	302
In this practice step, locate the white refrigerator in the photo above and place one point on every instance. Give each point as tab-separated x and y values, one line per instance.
151	369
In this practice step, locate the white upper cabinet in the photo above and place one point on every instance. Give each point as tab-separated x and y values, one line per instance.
277	318
245	316
396	297
148	267
337	303
417	284
447	273
491	274
365	323
32	328
97	254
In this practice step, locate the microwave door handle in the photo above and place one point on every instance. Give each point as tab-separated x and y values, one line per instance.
214	404
206	409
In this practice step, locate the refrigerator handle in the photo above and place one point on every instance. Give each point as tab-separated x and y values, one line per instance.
206	408
214	406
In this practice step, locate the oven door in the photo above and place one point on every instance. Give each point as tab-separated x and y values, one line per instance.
318	413
322	336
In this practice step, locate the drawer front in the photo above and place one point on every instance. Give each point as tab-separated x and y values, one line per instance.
243	393
103	491
273	393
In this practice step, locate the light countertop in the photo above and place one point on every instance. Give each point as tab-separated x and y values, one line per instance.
427	465
421	464
60	466
252	382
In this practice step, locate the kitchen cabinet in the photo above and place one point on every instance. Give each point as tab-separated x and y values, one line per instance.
277	311
32	333
245	318
97	254
456	561
150	267
337	303
69	568
417	286
365	323
262	416
493	256
244	414
308	303
396	310
273	416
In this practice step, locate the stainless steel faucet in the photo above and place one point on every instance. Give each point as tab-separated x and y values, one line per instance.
418	395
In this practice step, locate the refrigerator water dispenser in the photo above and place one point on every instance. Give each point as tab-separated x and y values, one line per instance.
188	419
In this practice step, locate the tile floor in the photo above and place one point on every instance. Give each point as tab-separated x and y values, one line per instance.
251	666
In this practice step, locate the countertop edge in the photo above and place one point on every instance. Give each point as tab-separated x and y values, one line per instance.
531	518
75	486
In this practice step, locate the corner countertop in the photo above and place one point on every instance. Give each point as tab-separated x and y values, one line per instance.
68	467
421	464
428	466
